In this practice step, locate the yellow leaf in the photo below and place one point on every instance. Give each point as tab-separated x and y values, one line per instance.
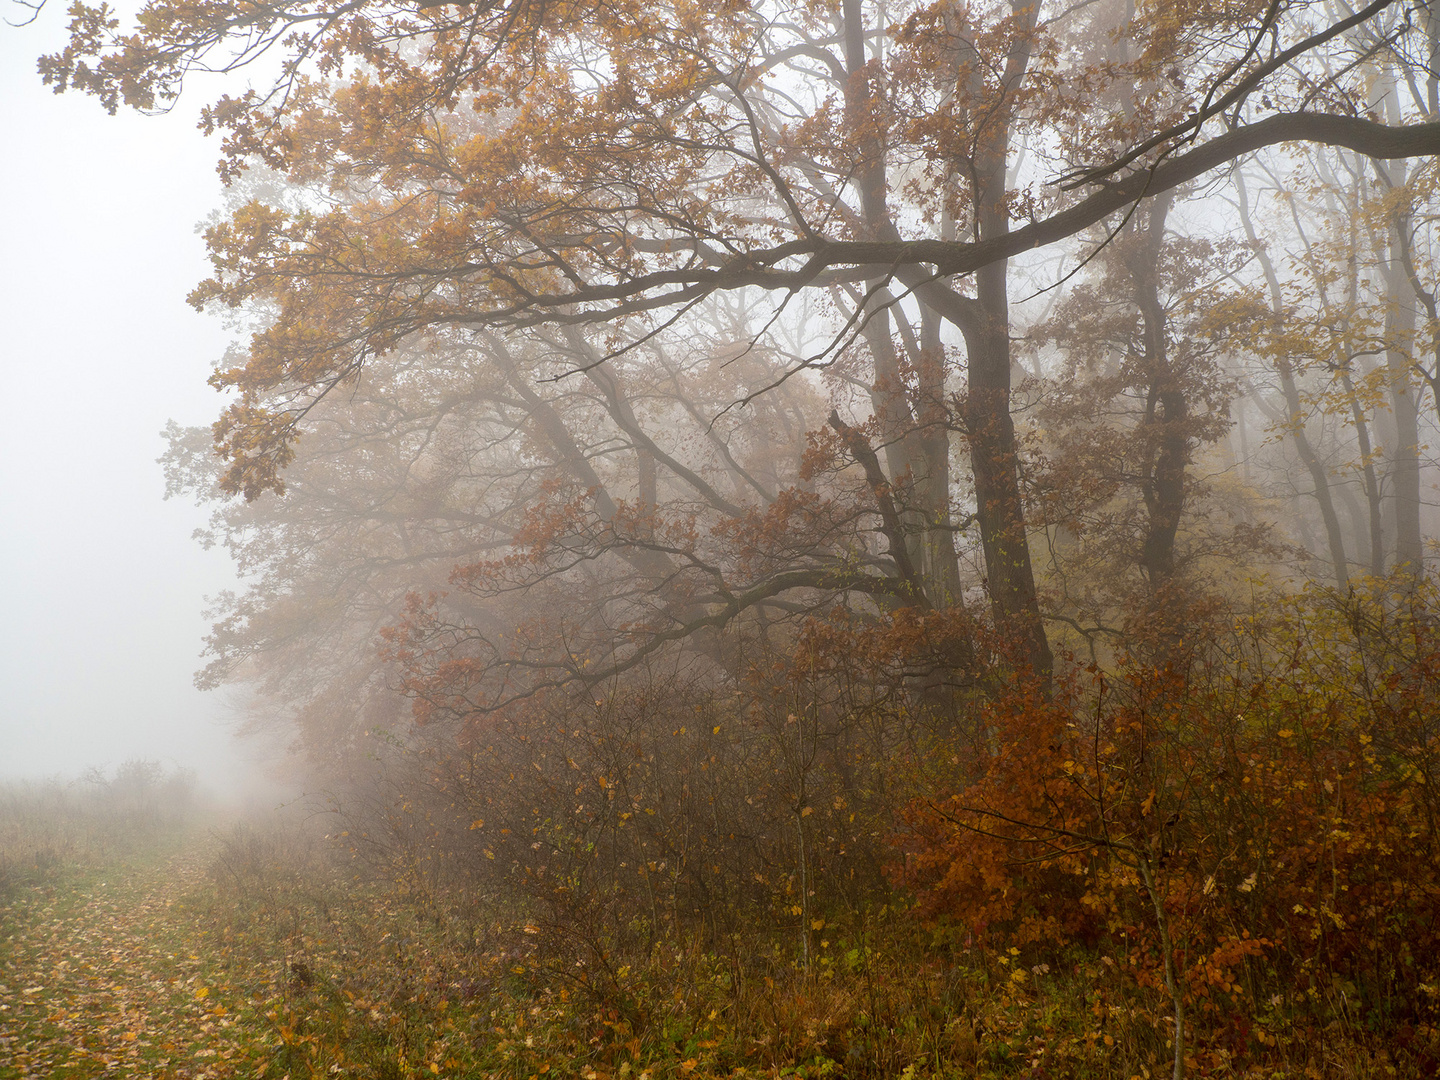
202	993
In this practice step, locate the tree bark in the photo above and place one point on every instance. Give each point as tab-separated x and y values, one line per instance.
1166	409
994	452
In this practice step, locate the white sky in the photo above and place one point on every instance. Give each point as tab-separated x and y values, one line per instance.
101	587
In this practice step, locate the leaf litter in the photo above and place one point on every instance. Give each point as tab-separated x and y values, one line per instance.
108	978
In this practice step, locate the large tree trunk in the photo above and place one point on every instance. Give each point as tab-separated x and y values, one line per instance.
917	449
899	436
994	458
985	324
994	452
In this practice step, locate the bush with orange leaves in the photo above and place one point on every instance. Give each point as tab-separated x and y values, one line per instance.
1244	817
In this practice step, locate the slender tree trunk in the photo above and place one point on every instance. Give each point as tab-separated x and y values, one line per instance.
942	569
1369	476
1172	982
1369	479
648	488
1399	343
899	438
1319	475
1405	475
1295	419
1359	522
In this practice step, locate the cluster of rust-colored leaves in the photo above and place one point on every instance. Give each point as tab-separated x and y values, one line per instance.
1258	791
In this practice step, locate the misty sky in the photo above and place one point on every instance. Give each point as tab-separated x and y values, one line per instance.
102	587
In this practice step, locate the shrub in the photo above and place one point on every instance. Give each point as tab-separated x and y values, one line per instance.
1244	819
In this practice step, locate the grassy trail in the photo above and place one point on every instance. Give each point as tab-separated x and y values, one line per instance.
102	973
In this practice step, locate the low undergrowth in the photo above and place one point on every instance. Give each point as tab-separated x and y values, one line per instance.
258	952
1213	858
339	975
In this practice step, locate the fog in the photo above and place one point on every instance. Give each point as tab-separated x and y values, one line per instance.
103	586
854	540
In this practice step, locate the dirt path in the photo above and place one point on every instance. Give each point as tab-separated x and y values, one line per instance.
107	976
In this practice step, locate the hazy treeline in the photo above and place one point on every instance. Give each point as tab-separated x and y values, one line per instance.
50	824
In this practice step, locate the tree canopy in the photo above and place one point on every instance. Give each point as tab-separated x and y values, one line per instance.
597	174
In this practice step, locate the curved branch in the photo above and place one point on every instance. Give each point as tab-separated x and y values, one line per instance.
763	268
